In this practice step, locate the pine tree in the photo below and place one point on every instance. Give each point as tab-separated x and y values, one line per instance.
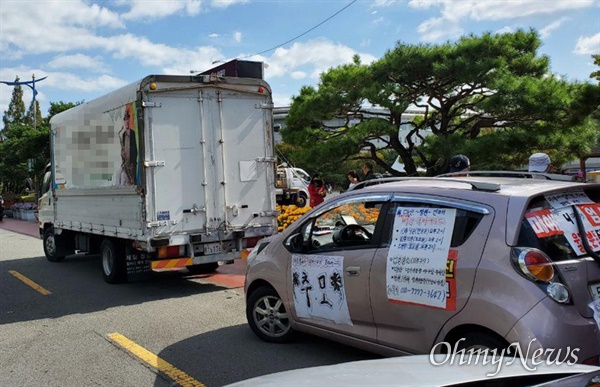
36	119
15	115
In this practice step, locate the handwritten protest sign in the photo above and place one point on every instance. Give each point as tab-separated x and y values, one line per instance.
417	258
319	292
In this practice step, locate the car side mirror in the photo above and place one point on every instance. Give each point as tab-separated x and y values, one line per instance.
295	243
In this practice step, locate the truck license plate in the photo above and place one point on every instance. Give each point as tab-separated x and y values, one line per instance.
213	248
595	290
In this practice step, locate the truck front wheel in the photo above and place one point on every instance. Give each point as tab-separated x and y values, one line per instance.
114	268
52	244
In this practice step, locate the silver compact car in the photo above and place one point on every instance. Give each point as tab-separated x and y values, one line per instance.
438	264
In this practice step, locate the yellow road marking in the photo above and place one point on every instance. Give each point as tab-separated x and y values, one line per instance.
154	361
29	282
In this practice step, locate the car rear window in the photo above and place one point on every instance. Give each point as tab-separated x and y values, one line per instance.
550	225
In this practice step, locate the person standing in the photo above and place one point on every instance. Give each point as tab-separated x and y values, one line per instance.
353	178
316	190
459	163
368	171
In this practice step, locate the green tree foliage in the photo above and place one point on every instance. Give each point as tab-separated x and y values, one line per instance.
493	88
34	114
22	143
596	74
15	115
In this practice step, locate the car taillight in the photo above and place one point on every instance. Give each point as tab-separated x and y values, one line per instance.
534	264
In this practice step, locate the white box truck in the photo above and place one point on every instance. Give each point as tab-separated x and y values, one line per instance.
170	171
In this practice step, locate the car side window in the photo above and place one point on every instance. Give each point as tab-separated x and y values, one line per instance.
464	223
349	225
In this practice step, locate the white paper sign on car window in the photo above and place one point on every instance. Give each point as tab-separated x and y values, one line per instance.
318	284
565	217
567	199
416	262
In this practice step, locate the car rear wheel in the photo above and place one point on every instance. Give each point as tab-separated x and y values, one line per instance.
114	267
267	316
51	246
205	268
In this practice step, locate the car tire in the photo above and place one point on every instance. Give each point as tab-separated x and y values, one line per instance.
205	268
268	317
114	267
52	246
480	340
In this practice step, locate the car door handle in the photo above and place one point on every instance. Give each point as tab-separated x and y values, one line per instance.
353	271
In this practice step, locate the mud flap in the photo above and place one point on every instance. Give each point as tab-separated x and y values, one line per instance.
138	265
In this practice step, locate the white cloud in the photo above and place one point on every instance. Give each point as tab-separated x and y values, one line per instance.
143	9
437	29
226	3
54	80
365	43
545	32
213	35
80	61
454	11
505	30
378	21
50	26
298	75
237	36
384	3
312	57
588	45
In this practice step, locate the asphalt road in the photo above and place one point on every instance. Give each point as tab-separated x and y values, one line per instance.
57	321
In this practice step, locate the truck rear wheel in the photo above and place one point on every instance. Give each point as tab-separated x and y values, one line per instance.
114	269
204	268
52	246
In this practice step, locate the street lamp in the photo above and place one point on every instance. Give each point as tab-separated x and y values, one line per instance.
31	85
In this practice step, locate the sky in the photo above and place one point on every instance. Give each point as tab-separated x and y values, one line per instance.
89	48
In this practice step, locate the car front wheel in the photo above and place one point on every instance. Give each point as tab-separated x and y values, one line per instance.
267	316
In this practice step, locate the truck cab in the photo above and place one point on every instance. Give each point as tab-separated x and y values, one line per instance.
292	186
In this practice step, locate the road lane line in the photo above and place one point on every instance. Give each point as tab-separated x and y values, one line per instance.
29	282
154	361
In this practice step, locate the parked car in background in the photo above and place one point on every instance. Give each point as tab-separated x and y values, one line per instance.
1	208
475	262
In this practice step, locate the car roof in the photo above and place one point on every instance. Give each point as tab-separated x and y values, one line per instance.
507	186
507	194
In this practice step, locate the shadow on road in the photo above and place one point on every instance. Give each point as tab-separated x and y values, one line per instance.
234	353
77	286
